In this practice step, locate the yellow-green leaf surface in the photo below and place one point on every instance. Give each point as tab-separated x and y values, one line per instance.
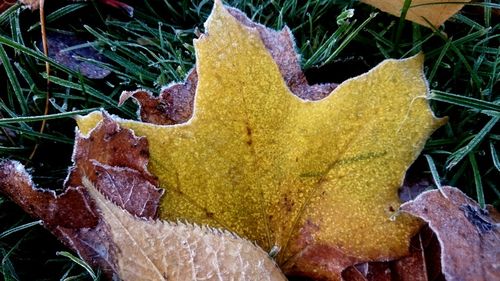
281	171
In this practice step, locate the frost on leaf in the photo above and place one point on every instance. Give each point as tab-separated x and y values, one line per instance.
468	235
316	179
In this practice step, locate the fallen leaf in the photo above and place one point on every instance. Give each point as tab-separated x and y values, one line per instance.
70	209
422	264
436	12
35	5
468	235
75	59
118	233
412	267
316	179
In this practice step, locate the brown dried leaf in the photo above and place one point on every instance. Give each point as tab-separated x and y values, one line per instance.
409	268
421	11
412	267
432	252
469	236
110	145
70	216
70	209
173	106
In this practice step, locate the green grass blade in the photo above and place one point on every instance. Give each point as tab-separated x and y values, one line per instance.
23	103
434	173
464	101
458	155
29	132
494	156
348	39
5	15
438	61
401	23
46	117
477	180
61	12
19	228
79	262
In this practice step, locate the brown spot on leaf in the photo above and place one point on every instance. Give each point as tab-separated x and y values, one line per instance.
249	135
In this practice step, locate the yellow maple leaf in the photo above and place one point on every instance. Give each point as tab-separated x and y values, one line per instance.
317	179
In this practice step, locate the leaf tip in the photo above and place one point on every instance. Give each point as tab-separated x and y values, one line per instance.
87	122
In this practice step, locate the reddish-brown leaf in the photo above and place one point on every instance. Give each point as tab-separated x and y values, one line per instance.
71	216
69	209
